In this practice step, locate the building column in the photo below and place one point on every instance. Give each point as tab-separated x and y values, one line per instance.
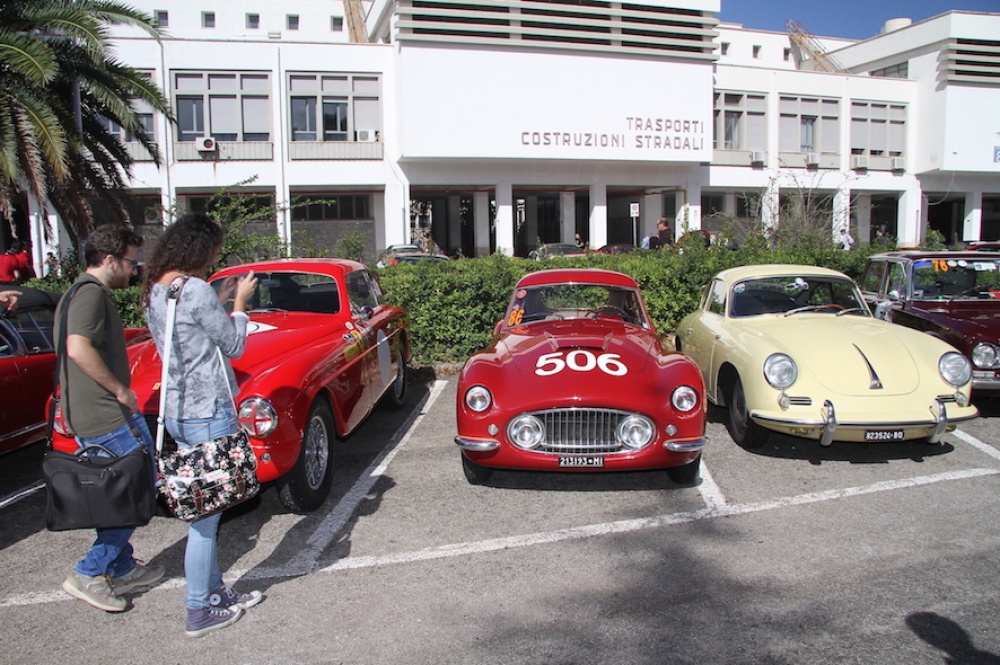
863	216
598	215
841	212
505	219
689	215
481	213
567	217
40	216
770	206
650	212
911	217
972	225
390	230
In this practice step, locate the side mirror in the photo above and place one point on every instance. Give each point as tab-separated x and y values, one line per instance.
367	312
882	309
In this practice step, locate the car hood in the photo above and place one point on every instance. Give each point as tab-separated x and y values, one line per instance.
847	355
969	316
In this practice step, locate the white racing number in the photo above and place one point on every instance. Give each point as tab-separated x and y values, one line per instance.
580	360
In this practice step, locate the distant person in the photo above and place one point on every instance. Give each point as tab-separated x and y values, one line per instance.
846	240
663	232
24	264
51	265
578	241
9	271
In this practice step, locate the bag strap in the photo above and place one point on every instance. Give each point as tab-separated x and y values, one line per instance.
60	362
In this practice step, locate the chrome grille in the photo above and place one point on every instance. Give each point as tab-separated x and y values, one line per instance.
581	431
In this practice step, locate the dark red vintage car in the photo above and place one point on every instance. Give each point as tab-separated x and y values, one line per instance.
952	295
577	379
323	349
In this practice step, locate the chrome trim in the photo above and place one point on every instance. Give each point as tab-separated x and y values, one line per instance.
875	383
830	427
942	423
685	446
582	430
480	445
799	401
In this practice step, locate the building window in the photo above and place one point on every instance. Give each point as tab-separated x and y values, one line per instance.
253	21
712	204
145	114
329	207
878	129
900	71
725	48
337	23
808	124
161	17
740	121
208	19
293	21
229	106
335	107
787	54
756	51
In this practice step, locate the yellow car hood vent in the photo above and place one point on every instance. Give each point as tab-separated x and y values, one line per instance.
847	357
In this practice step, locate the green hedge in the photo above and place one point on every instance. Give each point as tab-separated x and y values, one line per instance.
454	305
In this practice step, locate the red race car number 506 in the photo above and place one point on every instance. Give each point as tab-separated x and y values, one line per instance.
580	360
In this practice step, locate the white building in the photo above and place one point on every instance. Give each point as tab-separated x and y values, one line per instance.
514	121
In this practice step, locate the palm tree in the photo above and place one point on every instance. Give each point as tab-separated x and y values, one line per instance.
59	85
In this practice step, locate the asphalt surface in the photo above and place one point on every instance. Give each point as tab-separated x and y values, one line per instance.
879	553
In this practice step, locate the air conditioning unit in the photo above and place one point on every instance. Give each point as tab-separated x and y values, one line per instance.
206	144
859	162
367	135
812	159
899	163
758	157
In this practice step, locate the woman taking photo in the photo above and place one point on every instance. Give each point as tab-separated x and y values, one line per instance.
199	403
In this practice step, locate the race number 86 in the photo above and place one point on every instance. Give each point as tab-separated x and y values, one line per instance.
580	360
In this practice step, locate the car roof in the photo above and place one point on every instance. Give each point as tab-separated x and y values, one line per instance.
331	267
775	269
577	276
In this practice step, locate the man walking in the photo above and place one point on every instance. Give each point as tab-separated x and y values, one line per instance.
100	407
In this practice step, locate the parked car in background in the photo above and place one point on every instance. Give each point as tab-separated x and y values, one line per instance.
984	247
554	249
954	296
416	257
323	349
577	379
619	248
794	349
27	361
386	256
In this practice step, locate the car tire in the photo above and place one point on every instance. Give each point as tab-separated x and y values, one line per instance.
686	474
476	474
305	487
396	394
745	432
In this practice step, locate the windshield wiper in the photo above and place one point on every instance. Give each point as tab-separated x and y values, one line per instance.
850	309
807	308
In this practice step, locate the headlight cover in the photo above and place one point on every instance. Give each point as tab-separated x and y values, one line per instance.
257	417
684	398
955	369
635	432
780	371
984	356
526	432
478	398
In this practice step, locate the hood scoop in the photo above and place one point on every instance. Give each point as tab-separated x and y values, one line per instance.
596	342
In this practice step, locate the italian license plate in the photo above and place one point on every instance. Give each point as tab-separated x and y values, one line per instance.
587	461
884	435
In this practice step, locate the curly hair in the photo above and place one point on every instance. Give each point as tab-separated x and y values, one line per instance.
109	239
187	245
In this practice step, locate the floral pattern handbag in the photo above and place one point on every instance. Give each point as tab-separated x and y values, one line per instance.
212	476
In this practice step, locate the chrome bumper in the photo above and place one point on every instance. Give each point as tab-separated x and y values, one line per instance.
685	446
479	445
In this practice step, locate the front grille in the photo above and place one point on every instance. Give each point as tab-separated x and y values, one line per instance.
581	431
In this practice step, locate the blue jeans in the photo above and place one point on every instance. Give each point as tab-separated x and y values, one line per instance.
201	557
111	553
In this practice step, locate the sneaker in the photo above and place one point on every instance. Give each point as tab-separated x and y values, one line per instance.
139	576
206	619
227	596
94	590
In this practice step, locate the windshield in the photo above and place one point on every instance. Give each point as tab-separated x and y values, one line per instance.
575	301
944	279
288	291
790	294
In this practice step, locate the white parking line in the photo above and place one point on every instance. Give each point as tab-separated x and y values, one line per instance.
709	490
976	443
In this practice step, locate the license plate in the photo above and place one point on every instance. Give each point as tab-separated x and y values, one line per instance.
578	461
884	435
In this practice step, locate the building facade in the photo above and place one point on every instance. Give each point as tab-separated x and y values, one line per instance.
495	126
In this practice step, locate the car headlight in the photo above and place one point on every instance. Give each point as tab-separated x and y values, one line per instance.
478	398
635	431
257	417
780	371
526	432
684	398
984	355
955	368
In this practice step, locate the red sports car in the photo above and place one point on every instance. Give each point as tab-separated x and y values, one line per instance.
323	348
577	379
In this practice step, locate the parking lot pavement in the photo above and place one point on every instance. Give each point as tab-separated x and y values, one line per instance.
789	554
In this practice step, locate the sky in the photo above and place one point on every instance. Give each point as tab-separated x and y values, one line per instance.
854	19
